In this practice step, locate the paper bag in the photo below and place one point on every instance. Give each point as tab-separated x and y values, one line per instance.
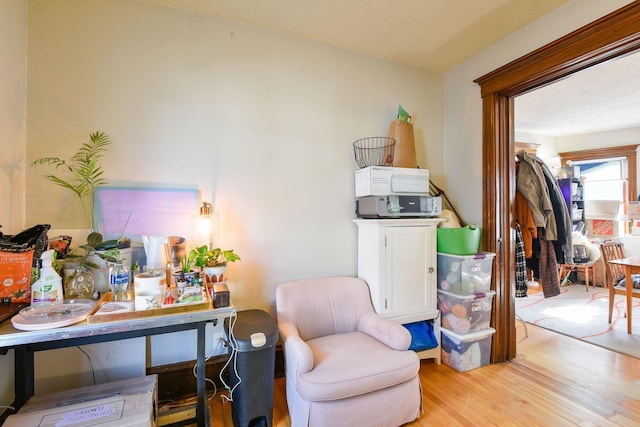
405	150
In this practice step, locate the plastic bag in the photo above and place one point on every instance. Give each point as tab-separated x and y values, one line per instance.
19	256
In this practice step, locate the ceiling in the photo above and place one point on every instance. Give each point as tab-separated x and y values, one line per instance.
436	35
604	97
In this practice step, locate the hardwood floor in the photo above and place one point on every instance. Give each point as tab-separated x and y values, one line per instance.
554	381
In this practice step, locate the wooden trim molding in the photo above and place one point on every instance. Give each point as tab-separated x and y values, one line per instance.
598	153
528	147
612	36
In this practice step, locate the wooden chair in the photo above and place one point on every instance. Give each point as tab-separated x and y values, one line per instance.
587	268
615	273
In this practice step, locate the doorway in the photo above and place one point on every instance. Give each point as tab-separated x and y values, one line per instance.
612	36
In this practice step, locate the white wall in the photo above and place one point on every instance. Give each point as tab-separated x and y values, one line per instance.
610	138
261	123
547	146
12	140
463	105
12	113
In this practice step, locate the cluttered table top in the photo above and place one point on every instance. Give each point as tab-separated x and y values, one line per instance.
79	319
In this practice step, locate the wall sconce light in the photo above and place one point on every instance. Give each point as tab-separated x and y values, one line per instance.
204	222
205	209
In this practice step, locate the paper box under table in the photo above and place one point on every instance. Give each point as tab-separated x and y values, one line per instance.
127	403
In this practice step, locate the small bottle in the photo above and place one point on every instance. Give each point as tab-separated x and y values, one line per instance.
47	289
119	281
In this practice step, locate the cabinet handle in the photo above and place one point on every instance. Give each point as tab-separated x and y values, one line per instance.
431	269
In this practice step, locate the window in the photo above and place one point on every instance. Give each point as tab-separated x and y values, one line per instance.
625	155
610	176
603	179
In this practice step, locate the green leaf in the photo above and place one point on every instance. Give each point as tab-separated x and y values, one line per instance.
84	168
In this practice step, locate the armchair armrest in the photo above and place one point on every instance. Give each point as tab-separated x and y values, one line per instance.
386	331
299	355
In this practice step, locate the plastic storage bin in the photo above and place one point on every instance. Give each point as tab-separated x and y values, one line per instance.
465	274
464	352
459	241
465	313
253	338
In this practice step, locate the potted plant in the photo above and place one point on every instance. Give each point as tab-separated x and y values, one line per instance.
185	271
84	170
213	262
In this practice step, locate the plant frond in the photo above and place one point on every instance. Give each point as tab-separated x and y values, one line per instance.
65	184
48	161
92	151
84	168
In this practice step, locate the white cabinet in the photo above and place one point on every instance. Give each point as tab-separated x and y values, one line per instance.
398	259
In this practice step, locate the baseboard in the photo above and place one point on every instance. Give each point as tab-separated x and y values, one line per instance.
176	381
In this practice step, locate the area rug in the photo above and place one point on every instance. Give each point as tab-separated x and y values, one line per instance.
583	315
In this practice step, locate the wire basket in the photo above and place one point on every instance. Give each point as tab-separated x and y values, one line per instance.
374	151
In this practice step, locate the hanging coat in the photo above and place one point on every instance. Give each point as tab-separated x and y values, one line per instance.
528	228
521	267
531	183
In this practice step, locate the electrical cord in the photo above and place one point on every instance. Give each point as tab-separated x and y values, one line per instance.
232	357
213	352
437	191
169	404
93	372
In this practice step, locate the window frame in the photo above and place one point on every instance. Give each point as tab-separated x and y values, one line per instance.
629	152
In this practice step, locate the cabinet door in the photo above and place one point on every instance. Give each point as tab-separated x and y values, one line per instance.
411	272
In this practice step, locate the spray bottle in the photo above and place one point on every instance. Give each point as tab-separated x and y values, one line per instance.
48	288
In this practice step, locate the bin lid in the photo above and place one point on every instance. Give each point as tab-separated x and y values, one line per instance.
252	329
471	257
468	297
470	337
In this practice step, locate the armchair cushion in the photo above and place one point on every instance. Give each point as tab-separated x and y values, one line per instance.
300	357
388	332
348	364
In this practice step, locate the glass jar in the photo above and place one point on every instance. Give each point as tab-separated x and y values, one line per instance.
80	284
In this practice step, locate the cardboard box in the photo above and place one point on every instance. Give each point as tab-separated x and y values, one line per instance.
385	181
569	172
603	228
634	210
126	403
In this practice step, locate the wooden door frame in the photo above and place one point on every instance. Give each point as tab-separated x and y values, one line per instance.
612	36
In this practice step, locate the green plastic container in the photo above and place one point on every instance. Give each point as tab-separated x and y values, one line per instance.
459	241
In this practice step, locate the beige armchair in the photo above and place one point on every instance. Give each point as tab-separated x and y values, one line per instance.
345	364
